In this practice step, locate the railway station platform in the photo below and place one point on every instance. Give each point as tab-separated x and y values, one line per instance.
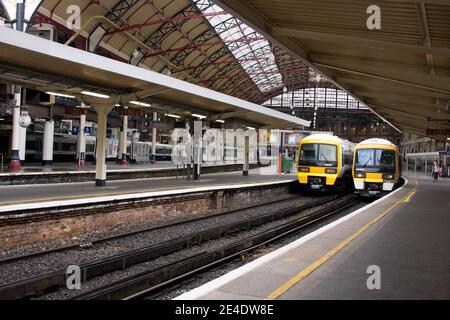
30	196
394	248
31	214
70	172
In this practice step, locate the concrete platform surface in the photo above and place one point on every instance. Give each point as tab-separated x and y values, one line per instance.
395	248
19	196
69	167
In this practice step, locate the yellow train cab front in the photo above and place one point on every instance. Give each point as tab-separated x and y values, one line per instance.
375	166
321	160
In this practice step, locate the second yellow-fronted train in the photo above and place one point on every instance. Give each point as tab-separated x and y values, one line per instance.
325	162
376	167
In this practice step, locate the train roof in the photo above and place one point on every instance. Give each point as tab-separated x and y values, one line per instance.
379	141
325	136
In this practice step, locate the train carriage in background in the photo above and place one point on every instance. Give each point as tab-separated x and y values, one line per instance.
65	148
376	166
325	162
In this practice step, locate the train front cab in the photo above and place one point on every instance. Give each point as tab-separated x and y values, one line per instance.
376	169
321	165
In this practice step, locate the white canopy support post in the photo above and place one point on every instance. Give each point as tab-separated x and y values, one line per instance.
47	146
81	153
154	132
197	149
14	164
246	165
123	159
100	155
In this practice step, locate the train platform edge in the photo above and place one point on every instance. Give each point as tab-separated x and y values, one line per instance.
376	252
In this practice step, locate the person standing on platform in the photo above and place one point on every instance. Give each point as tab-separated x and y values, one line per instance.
435	171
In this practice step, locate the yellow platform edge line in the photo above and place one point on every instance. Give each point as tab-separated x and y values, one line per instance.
305	272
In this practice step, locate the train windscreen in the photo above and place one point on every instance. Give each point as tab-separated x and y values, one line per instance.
375	160
319	155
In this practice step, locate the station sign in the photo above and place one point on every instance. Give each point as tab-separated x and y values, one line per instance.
443	133
76	111
164	125
132	112
87	130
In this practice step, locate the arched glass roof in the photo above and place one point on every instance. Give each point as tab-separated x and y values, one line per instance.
315	97
192	40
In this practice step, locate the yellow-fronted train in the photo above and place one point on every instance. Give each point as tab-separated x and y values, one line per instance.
376	167
325	162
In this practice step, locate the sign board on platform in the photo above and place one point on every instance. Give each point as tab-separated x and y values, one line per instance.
438	132
443	133
132	112
165	125
76	111
87	130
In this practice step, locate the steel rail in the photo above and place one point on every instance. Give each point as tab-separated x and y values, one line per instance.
43	283
6	260
143	283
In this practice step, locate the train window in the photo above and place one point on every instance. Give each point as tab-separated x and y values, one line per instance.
375	160
67	147
162	150
313	154
30	145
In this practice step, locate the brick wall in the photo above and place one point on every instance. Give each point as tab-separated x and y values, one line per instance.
36	226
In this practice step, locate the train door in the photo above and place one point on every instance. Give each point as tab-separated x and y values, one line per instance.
38	147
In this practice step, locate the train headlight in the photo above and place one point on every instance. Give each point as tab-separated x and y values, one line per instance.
388	176
331	170
303	169
360	175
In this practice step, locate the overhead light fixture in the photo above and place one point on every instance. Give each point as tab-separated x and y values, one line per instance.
172	115
250	128
95	94
59	94
142	104
198	116
1	119
220	121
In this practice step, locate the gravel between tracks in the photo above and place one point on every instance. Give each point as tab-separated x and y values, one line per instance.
221	270
63	293
55	261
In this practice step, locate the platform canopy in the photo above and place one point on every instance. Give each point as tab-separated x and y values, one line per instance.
400	71
49	66
193	40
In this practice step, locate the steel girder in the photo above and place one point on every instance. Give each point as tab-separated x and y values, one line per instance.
120	9
3	12
162	21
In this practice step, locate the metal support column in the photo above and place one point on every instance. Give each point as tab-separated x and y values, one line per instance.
197	149
82	139
123	159
246	165
100	170
14	164
154	132
22	143
47	145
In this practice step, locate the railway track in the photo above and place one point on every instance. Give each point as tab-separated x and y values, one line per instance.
44	283
84	244
148	282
